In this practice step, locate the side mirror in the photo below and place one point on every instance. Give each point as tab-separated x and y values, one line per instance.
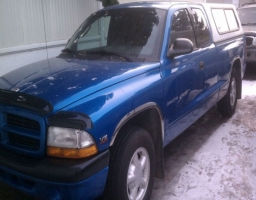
181	46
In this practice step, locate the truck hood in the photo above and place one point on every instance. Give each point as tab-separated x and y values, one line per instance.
64	81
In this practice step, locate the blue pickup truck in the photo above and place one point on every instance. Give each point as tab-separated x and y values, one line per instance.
94	121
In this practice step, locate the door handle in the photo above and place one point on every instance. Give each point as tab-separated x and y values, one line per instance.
201	65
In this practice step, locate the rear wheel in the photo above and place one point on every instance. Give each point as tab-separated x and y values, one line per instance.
227	105
132	166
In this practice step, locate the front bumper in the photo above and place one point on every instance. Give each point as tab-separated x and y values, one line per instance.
53	178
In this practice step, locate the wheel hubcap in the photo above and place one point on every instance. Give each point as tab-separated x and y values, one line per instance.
233	92
138	174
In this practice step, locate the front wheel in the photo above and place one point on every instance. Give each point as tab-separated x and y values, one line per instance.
227	105
132	166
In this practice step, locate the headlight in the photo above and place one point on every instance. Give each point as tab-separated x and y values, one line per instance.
70	143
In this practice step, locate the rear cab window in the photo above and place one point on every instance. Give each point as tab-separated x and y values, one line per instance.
225	20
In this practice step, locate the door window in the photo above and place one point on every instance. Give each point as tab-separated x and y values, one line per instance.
182	26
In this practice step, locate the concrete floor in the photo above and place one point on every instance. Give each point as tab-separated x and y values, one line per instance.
212	160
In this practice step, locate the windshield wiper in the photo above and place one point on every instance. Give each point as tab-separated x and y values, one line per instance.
126	58
72	51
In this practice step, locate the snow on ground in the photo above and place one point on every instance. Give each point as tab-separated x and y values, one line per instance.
249	88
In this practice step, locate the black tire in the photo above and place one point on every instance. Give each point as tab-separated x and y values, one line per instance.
134	145
227	105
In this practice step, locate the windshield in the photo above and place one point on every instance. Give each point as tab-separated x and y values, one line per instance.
247	16
133	33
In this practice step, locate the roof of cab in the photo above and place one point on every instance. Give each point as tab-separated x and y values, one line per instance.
164	4
150	4
216	36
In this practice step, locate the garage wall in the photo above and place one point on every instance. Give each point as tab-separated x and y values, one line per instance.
33	30
25	22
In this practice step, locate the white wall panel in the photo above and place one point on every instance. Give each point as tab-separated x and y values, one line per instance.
24	22
63	17
21	22
33	30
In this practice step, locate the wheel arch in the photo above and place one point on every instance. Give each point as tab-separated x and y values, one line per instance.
149	117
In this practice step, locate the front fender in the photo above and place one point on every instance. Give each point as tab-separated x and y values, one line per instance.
107	108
